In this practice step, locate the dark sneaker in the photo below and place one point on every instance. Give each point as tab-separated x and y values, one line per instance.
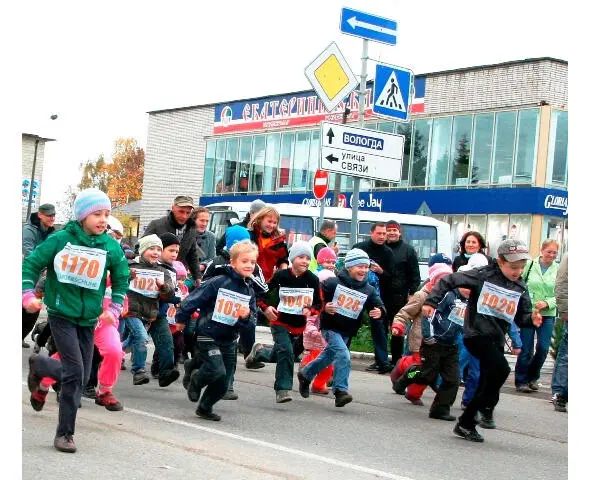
250	361
559	403
304	387
65	443
207	415
89	392
442	416
187	375
342	398
32	379
534	386
469	434
523	388
165	379
192	391
282	396
38	399
108	401
414	400
486	419
372	368
406	379
140	377
383	369
230	395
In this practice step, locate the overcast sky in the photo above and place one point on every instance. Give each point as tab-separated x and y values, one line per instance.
101	69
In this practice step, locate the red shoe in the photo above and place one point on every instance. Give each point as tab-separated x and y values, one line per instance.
38	399
320	391
108	401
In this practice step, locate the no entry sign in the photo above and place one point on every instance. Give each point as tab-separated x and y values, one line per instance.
320	186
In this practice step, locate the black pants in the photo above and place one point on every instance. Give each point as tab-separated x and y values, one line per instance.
29	320
494	371
75	345
97	358
394	303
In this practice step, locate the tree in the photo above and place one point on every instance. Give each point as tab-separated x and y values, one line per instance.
65	207
94	175
462	158
125	178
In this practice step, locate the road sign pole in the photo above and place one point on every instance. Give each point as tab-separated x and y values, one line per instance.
356	180
322	202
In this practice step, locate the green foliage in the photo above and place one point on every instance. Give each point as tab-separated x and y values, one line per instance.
556	337
362	342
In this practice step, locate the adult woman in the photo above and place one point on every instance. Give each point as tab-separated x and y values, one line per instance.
265	234
472	242
540	277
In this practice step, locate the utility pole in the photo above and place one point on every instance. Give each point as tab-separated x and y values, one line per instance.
337	182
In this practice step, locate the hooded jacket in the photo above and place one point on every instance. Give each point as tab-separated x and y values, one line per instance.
340	323
273	254
412	313
33	234
79	305
204	298
481	324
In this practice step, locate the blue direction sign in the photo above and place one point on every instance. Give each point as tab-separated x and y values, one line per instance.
392	92
366	25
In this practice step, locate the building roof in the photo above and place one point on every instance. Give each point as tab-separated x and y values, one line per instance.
39	137
462	69
131	209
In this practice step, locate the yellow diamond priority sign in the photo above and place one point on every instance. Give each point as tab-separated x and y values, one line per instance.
331	77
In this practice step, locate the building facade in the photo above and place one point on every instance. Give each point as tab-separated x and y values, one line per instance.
486	149
28	159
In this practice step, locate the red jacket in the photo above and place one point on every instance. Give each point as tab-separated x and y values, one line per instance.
271	256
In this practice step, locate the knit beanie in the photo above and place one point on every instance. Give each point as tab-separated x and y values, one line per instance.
437	271
325	254
149	241
300	248
324	274
179	268
89	201
169	239
356	256
476	260
235	234
255	206
115	225
439	258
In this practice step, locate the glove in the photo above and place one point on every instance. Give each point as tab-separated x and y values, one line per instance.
30	301
398	329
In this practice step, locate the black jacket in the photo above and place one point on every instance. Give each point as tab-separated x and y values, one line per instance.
188	251
339	323
406	276
479	324
462	260
384	257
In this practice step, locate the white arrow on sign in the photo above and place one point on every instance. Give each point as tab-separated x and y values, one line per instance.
368	26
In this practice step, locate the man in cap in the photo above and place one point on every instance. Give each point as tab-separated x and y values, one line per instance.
255	207
179	223
36	230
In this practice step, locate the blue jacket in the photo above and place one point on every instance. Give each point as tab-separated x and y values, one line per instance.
447	321
204	298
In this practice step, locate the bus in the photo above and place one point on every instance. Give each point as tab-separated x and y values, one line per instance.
299	222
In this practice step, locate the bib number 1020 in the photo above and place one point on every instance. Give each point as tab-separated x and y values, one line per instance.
500	304
80	265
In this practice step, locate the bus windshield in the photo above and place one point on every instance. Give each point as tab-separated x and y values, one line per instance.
297	228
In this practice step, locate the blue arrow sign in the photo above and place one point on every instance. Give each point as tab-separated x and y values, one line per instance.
366	25
392	91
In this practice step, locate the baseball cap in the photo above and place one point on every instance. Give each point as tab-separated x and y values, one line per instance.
514	250
47	209
183	201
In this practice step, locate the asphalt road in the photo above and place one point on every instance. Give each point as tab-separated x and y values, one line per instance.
379	435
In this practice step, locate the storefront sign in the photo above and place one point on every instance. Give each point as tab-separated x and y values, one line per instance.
556	202
302	108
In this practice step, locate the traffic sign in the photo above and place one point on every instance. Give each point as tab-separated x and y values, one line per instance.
360	152
366	25
320	185
331	76
393	87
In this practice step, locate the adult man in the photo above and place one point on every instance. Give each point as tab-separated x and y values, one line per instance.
255	206
560	376
382	265
326	234
36	230
205	239
406	278
179	223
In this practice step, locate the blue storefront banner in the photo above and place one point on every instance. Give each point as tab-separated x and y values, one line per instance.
532	200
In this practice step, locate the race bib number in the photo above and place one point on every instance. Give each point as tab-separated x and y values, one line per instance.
349	302
80	266
294	300
498	302
228	305
458	313
171	314
144	282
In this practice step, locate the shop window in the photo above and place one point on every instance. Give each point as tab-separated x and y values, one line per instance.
258	163
528	125
283	180
300	161
504	147
314	159
406	130
556	228
457	225
220	159
557	149
477	223
209	167
460	153
439	152
371	126
388	127
482	148
496	232
244	164
271	162
230	165
420	149
520	228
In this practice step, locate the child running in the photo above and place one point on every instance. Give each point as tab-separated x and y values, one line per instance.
348	294
77	259
226	305
497	297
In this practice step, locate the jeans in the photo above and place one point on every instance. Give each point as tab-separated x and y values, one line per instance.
163	344
560	375
218	361
471	378
75	346
138	338
281	352
529	364
337	353
379	339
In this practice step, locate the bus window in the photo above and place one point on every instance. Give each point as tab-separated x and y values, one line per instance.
423	238
219	221
297	228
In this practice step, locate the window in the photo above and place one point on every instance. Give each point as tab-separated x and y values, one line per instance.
477	223
482	148
520	227
230	164
315	158
389	127
423	239
220	158
300	161
422	132
497	231
287	140
343	237
297	228
460	150
244	165
219	221
440	151
406	130
527	140
271	162
557	149
504	147
209	167
258	163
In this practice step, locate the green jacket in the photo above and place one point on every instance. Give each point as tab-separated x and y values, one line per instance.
80	305
541	287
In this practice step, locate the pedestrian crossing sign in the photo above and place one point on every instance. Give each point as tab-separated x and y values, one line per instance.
393	88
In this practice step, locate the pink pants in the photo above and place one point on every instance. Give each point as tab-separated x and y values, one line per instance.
108	342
